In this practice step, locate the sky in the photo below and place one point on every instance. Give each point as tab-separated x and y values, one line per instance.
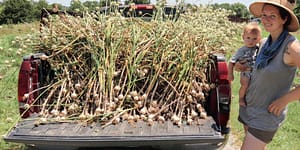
197	2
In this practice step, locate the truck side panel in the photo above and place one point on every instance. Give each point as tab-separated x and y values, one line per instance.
27	83
219	99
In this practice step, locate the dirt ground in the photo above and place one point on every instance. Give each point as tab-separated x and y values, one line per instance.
232	143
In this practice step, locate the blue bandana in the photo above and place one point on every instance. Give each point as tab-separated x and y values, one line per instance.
269	50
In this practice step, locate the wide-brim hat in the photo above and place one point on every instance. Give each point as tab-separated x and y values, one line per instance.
256	9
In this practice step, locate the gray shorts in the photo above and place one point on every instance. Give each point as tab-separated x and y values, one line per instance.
265	136
246	74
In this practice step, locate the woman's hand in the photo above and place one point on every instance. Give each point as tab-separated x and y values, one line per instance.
241	67
277	107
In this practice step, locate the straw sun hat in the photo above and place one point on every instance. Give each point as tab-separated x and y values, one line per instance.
256	9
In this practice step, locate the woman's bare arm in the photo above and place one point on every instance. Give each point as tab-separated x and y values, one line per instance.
291	57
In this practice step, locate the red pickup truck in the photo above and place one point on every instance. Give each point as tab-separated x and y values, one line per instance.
71	135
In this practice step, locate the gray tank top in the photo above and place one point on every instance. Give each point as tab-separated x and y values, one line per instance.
267	85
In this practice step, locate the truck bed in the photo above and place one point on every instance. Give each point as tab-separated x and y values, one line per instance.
123	134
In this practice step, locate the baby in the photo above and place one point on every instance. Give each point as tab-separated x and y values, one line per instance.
246	54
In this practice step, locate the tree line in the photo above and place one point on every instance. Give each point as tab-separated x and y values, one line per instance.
21	11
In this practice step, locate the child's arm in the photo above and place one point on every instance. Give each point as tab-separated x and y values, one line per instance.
230	76
233	61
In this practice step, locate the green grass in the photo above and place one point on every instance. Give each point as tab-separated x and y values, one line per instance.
9	68
17	29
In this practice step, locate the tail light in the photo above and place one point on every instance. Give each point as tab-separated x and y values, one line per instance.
218	103
142	6
28	82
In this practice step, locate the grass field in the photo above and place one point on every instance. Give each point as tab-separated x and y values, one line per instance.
9	67
286	139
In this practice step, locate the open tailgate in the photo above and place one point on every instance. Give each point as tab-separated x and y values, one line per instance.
122	134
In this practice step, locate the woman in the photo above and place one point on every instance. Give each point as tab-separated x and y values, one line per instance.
269	90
